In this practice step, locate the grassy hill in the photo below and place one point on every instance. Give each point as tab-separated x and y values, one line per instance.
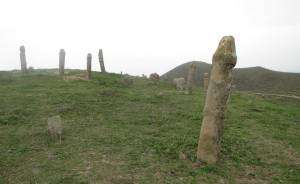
248	79
143	133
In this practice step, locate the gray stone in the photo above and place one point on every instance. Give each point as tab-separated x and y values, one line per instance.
89	66
179	83
62	55
101	61
23	60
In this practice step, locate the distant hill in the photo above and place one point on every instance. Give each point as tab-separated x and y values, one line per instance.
247	79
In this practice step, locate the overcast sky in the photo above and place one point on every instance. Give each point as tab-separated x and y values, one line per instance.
145	36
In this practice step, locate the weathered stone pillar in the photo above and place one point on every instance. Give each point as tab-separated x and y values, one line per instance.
205	81
23	59
190	78
217	96
62	55
89	66
101	61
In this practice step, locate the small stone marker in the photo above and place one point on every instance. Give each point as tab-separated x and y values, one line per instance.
190	78
101	61
179	83
217	96
55	127
89	66
205	81
23	60
62	55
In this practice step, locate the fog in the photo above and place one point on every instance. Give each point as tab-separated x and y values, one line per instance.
141	37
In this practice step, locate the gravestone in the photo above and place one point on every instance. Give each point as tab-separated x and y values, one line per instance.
89	66
62	55
190	78
205	81
23	60
216	100
101	61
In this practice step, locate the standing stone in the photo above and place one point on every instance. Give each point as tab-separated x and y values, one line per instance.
89	66
190	78
217	96
205	81
62	56
101	61
23	59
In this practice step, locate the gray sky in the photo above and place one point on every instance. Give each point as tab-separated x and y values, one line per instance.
145	36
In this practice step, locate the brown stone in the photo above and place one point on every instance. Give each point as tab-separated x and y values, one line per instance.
205	81
101	61
62	55
190	78
23	60
89	67
217	96
154	77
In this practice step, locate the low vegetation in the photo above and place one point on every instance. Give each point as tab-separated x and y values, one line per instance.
143	132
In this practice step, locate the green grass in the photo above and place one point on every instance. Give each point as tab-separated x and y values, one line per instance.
134	134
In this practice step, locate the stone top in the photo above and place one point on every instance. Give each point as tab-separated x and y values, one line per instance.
89	55
22	48
226	52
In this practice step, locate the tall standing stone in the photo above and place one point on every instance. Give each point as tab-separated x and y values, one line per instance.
205	81
89	66
62	56
23	59
190	77
101	61
217	96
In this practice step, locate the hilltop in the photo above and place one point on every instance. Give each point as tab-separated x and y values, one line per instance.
140	133
257	79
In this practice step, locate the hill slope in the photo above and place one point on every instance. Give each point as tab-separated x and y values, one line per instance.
144	133
249	79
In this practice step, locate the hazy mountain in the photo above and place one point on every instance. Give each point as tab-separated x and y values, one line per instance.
250	79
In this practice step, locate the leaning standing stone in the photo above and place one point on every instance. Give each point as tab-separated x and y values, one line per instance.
217	96
89	66
101	61
23	59
190	78
62	55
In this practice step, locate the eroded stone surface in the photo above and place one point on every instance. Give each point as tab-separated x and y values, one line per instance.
217	96
205	81
190	77
101	61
